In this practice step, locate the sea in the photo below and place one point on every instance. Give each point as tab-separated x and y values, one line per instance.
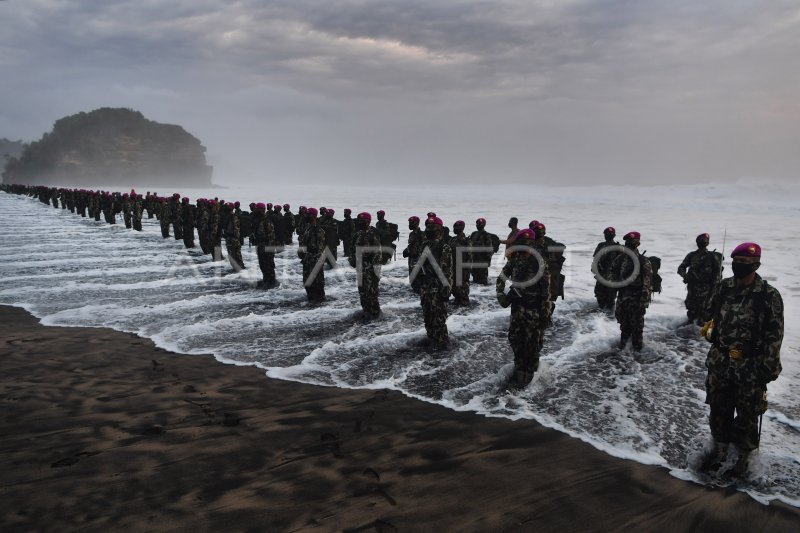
646	407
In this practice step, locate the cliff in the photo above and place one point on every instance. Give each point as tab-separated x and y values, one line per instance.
111	146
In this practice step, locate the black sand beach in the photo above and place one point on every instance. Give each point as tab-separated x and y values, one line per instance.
101	431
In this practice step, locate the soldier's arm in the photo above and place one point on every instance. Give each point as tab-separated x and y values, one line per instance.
684	265
772	337
500	284
447	267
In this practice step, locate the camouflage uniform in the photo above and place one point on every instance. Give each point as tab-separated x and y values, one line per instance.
313	240
187	214
126	212
459	245
288	223
204	228
702	278
388	233
164	218
265	240
530	312
215	231
331	227
745	356
481	239
346	231
632	300
434	293
605	295
136	213
177	219
233	242
370	269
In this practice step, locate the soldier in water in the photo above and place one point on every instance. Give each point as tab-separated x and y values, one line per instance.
266	243
746	332
604	294
701	271
436	273
529	298
311	249
365	254
459	244
634	298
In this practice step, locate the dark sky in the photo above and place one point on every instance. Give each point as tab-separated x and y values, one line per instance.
542	91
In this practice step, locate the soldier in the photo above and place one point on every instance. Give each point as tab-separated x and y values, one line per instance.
365	255
412	251
347	228
177	216
233	238
388	233
436	275
301	221
164	217
634	298
331	227
288	224
459	245
311	249
215	230
126	211
529	298
266	241
204	225
746	332
97	206
136	211
187	216
605	295
482	246
701	271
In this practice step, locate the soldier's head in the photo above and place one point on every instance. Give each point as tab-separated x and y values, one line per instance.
253	206
329	213
702	240
269	206
259	208
480	223
185	200
237	205
347	212
302	210
413	222
363	220
632	239
322	211
433	228
286	207
311	214
458	227
745	260
609	233
277	208
381	214
512	222
525	237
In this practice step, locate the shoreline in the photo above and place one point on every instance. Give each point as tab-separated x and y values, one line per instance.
138	437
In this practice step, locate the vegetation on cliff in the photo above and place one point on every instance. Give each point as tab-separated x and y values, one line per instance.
111	146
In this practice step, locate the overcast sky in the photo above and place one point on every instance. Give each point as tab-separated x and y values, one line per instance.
542	91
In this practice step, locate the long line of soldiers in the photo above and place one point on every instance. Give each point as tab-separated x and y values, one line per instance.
742	316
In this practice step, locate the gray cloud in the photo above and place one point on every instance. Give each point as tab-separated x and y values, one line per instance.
570	91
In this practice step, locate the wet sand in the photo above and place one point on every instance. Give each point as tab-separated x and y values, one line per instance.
102	431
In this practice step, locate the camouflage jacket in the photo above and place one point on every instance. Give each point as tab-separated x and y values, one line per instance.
605	262
519	270
442	257
481	239
232	228
264	232
331	227
748	319
177	212
414	248
366	238
312	242
460	246
703	268
639	289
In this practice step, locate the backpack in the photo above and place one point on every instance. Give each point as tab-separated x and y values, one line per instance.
655	262
495	242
